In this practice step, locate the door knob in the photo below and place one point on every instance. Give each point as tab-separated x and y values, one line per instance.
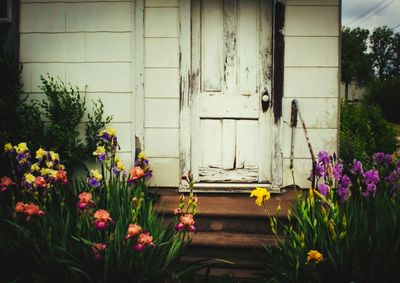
265	100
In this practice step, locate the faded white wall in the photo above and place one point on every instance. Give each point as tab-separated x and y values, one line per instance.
84	43
312	32
161	90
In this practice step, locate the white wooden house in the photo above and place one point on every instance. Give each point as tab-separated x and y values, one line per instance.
201	85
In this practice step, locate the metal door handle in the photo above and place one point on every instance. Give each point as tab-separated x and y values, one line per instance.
265	100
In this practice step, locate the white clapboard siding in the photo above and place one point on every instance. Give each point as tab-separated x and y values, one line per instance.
312	31
161	90
84	43
46	17
311	82
162	3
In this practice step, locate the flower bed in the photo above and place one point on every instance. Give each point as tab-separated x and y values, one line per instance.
103	229
347	229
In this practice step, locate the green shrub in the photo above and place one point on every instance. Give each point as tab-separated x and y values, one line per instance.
386	94
53	122
363	131
9	98
345	230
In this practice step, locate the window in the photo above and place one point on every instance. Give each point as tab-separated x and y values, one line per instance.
9	33
5	10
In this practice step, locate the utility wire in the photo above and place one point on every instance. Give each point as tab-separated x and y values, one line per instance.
395	27
366	13
374	14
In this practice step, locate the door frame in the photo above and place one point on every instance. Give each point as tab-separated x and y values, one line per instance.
273	143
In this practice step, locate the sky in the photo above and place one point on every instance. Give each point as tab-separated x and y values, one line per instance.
369	14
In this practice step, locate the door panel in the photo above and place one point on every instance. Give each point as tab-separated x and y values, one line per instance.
230	50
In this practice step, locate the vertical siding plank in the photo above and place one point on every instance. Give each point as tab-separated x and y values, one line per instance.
184	79
228	143
212	45
230	32
265	78
138	73
247	45
194	88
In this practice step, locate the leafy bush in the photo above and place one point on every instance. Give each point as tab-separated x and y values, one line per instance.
363	131
347	229
386	94
103	229
52	122
9	98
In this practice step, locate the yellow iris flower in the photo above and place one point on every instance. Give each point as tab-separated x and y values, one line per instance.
99	150
315	256
41	153
142	155
261	194
35	167
54	156
120	165
29	178
8	147
95	174
21	147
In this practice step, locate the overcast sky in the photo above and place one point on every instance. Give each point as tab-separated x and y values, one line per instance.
371	13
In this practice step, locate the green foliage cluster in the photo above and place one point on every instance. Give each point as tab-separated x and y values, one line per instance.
53	122
10	90
358	238
386	94
363	131
59	245
376	68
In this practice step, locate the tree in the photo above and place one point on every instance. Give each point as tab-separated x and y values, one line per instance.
385	46
356	62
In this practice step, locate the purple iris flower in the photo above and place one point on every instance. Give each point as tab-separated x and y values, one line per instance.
323	157
357	167
345	181
323	189
371	177
378	157
393	178
337	171
388	159
102	157
319	170
343	193
371	189
93	182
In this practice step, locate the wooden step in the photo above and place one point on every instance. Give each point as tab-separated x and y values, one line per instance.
232	240
232	205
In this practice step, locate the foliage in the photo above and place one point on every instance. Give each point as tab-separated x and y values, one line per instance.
356	62
386	94
385	52
363	131
345	230
9	97
103	229
54	121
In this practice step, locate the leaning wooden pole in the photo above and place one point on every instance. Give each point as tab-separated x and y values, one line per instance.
303	124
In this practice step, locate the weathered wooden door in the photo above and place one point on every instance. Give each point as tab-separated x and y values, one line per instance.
230	76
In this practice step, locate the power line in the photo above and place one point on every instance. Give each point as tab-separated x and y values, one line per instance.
374	14
395	27
366	13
